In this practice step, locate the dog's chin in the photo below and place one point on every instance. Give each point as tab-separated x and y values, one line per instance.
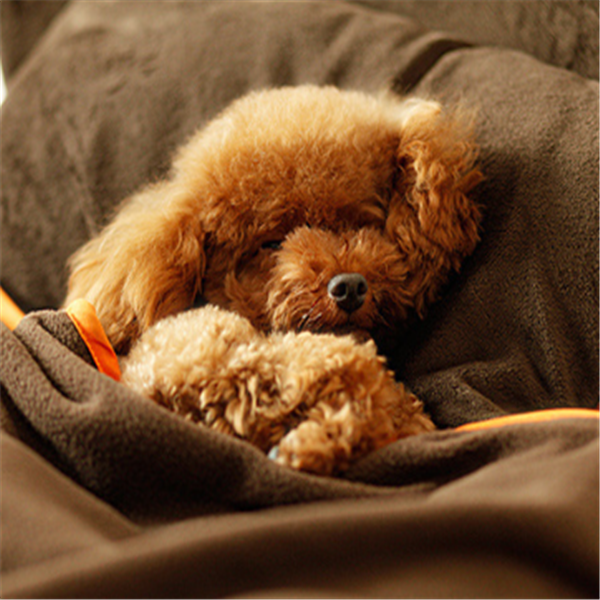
356	326
360	335
385	341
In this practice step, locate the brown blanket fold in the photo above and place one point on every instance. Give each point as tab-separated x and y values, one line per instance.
440	501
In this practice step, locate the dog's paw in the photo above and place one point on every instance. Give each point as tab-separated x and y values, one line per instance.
309	448
343	427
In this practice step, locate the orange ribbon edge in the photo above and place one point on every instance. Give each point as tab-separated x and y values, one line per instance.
10	313
86	321
538	416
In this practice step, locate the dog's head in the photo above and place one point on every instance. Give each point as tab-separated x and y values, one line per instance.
300	208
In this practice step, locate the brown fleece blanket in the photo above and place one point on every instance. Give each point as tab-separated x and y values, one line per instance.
106	495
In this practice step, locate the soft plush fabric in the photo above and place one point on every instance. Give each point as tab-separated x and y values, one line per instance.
563	33
22	23
104	494
502	511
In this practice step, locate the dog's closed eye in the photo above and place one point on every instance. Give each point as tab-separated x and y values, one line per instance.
271	245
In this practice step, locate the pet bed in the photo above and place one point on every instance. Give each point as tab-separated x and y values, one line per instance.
107	495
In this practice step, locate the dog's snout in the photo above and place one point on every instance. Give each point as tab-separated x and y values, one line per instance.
349	291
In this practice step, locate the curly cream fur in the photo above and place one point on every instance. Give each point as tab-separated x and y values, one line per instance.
263	207
324	399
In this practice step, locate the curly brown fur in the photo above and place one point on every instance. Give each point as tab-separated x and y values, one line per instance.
324	400
301	209
345	182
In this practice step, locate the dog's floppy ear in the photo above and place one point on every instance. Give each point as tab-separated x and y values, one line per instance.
146	264
431	217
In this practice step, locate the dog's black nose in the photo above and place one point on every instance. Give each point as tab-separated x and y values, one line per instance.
349	291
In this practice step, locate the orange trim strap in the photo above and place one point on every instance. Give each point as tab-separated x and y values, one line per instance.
538	416
10	313
85	319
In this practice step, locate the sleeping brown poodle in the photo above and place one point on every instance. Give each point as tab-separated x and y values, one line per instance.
313	223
